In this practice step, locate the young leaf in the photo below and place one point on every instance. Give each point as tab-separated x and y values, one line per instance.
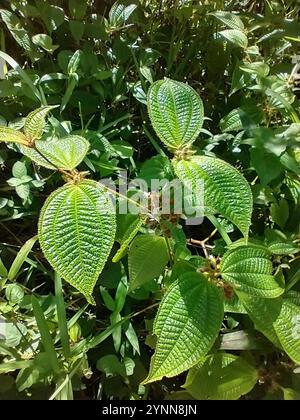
147	258
65	153
249	270
221	376
73	233
10	135
187	324
226	191
176	112
35	122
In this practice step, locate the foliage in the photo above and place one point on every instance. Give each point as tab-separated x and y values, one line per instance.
100	305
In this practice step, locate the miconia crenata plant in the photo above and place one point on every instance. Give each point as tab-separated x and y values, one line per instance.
78	226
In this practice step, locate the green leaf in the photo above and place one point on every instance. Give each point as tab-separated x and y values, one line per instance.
45	334
236	37
221	376
128	236
74	234
110	365
282	248
35	122
119	13
176	112
147	258
10	135
14	293
267	165
229	19
249	269
16	29
64	153
77	29
231	122
77	8
44	41
19	169
280	212
187	324
20	258
226	191
279	320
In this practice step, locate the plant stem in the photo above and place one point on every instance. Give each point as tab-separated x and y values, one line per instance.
220	228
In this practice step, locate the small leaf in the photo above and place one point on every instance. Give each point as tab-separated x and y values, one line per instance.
10	135
187	324
44	41
128	236
119	13
35	122
19	169
226	191
176	112
249	270
74	234
221	376
147	258
229	19
236	37
64	153
280	212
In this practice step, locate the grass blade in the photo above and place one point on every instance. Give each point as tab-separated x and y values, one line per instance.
61	316
45	334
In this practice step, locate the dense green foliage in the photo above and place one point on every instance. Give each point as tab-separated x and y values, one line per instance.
124	306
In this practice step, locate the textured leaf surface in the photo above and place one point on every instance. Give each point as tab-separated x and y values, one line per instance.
176	112
187	324
236	37
229	19
74	233
226	191
35	122
221	376
10	135
279	320
64	153
148	256
249	269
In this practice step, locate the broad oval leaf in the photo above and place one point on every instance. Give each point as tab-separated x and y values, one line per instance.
187	323
221	376
74	234
249	270
176	112
147	258
226	191
35	122
64	153
9	135
279	320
